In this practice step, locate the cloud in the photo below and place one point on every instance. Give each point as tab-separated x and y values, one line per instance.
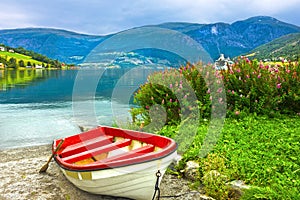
11	16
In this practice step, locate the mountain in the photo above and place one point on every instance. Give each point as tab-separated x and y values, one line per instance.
241	36
57	44
287	46
230	39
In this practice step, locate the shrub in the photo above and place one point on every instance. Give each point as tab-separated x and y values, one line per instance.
250	87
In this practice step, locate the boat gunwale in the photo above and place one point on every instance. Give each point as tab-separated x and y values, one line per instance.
119	166
142	158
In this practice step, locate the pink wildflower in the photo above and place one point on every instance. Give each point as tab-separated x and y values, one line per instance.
171	85
220	100
278	85
163	101
171	100
237	112
259	76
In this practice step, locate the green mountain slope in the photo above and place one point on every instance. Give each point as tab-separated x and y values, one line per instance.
287	46
20	57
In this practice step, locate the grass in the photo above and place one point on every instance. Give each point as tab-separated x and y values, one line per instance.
261	151
18	57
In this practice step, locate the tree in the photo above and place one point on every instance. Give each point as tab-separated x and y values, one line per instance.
12	62
21	63
28	63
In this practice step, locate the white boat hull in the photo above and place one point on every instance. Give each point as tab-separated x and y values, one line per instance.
135	181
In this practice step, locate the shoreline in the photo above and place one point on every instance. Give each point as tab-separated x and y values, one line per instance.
20	178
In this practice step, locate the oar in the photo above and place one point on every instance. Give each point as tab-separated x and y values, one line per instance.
45	167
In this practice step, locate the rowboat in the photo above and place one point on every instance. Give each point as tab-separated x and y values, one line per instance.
115	162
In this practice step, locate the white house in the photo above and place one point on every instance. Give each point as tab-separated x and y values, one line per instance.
2	48
222	62
38	66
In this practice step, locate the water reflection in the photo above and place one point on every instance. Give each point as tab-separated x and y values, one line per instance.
21	78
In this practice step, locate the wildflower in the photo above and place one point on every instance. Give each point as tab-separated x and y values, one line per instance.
238	70
247	76
278	85
180	86
237	112
171	85
152	98
147	107
259	76
171	100
232	92
208	91
261	66
288	71
219	90
220	100
185	96
163	101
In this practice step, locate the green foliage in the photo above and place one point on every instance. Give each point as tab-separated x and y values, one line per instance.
254	87
260	139
287	46
249	87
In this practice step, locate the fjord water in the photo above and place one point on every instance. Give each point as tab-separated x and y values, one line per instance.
36	106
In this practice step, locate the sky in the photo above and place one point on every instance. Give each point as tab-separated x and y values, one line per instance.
101	17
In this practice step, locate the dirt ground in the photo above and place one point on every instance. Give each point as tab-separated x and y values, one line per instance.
19	179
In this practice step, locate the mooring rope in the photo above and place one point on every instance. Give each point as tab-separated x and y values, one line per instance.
157	190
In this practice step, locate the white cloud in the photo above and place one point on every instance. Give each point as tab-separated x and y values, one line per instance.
12	17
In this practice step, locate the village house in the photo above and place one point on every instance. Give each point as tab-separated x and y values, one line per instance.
222	63
2	48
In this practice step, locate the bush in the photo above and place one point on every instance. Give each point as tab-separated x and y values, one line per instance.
249	87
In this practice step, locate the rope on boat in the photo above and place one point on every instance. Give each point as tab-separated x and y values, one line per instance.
156	189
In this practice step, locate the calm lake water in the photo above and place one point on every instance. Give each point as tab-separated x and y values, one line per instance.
37	106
